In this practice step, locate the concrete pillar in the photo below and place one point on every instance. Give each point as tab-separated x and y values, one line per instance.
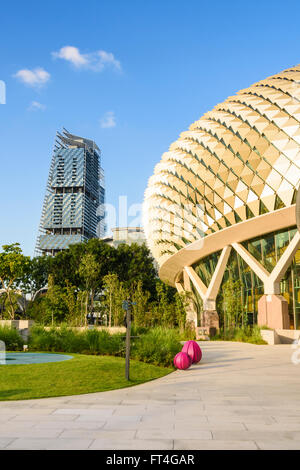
273	312
191	314
209	316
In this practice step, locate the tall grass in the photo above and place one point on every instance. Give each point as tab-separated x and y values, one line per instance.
12	338
158	346
246	334
66	339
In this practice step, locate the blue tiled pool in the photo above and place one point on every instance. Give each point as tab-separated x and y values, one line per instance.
32	358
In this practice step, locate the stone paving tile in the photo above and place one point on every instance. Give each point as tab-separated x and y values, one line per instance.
114	436
286	419
31	411
273	427
215	420
86	412
257	435
130	422
43	419
82	406
49	403
13	405
173	434
278	445
187	407
25	433
50	444
5	442
66	425
155	426
227	426
162	418
192	420
93	419
135	411
196	444
6	418
20	426
123	444
96	398
125	419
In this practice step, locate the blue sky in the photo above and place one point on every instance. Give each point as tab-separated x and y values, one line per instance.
161	65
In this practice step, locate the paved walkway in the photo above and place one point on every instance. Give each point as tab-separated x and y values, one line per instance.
240	396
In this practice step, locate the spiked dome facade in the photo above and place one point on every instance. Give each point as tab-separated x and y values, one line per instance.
232	177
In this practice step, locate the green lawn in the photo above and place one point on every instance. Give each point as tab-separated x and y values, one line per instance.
82	374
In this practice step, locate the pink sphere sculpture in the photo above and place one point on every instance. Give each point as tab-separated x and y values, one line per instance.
192	349
182	361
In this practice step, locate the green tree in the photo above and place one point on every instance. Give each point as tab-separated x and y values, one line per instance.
121	294
113	295
55	307
165	304
140	298
181	304
14	268
65	265
135	263
39	270
73	304
89	271
232	303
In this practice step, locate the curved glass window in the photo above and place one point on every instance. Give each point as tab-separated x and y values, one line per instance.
267	250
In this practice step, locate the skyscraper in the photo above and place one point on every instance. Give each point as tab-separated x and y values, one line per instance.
73	205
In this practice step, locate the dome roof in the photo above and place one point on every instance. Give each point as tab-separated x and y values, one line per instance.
238	161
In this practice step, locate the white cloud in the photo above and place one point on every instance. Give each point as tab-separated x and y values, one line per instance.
72	55
108	120
35	78
96	61
36	106
107	58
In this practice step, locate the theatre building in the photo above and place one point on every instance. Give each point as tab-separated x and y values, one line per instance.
222	204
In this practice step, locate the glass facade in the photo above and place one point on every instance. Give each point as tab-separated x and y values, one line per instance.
267	250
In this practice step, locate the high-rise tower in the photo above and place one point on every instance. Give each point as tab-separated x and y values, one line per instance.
73	206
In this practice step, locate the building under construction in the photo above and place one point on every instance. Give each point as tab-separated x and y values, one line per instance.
73	209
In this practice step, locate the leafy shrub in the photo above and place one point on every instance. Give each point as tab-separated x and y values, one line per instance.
158	346
12	338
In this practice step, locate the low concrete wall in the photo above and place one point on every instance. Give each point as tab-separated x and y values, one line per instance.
10	323
23	326
280	336
18	324
288	336
112	330
270	336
